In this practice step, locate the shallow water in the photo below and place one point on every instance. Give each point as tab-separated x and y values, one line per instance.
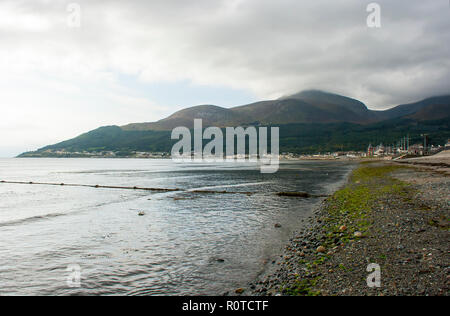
187	243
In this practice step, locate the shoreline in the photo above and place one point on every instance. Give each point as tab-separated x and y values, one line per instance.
272	265
389	214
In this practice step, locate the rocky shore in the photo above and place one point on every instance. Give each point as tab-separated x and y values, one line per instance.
391	215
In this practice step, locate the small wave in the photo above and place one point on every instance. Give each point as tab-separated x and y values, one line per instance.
31	219
101	171
228	186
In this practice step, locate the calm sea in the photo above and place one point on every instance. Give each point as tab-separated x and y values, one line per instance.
186	243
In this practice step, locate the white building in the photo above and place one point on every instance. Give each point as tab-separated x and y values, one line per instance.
380	150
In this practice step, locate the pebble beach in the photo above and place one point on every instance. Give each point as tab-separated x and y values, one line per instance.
393	215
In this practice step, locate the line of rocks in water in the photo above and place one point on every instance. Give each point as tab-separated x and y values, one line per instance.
97	186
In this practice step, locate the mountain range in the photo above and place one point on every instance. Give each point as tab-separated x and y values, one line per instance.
309	121
310	106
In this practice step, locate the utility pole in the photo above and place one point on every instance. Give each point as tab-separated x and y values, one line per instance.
407	146
425	136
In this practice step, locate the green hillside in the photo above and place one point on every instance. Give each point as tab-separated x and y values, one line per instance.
296	138
310	122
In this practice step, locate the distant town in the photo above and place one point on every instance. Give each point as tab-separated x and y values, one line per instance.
402	149
62	153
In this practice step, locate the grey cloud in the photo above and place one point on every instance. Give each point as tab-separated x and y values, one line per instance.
269	47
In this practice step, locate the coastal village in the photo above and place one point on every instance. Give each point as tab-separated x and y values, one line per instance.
403	149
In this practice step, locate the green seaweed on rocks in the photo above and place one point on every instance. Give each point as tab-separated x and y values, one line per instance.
352	205
347	217
304	287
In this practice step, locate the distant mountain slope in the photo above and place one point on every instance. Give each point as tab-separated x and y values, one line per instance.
325	101
210	114
428	105
295	110
312	106
433	111
309	121
114	138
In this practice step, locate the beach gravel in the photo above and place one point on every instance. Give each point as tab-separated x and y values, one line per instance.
403	228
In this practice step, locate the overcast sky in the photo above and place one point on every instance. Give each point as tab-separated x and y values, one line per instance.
135	61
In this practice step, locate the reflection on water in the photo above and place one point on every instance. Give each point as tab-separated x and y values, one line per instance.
187	243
